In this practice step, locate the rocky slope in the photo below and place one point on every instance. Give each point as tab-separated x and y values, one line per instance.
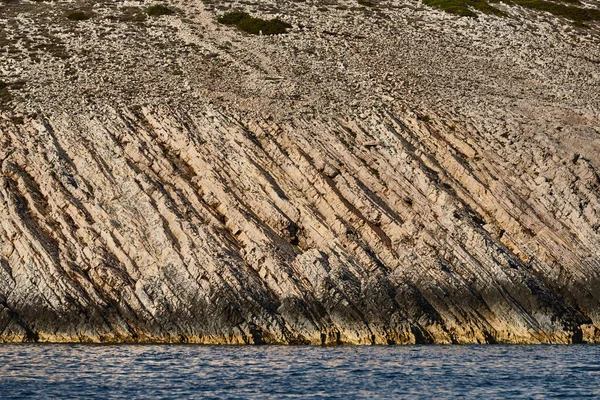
381	174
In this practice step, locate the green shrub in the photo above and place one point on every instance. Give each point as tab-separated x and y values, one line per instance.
252	25
232	18
466	8
256	26
156	10
78	16
575	14
366	3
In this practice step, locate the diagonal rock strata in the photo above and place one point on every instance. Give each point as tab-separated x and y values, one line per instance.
146	225
386	175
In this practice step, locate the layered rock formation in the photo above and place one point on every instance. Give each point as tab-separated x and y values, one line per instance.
377	176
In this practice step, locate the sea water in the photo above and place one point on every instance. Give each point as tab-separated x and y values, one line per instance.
344	372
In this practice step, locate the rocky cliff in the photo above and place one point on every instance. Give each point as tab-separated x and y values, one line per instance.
381	174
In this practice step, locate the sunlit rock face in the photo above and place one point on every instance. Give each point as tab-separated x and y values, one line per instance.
378	175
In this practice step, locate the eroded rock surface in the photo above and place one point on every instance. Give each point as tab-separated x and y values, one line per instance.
379	175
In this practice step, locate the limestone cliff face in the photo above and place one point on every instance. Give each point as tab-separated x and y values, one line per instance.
160	224
211	216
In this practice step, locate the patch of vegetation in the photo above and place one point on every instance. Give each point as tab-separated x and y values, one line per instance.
424	118
464	8
3	85
78	16
232	18
575	14
366	3
467	8
157	10
255	26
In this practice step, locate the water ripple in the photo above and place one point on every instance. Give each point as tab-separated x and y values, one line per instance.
179	371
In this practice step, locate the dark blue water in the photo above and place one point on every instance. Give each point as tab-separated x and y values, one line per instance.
135	371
